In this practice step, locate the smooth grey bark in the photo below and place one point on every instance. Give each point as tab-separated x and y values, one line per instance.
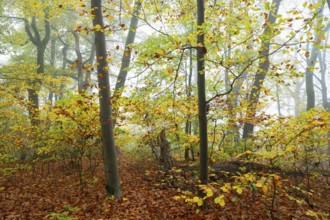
79	60
188	93
309	78
112	180
309	74
278	100
90	62
64	63
324	90
126	58
41	43
296	95
52	63
323	67
202	112
261	73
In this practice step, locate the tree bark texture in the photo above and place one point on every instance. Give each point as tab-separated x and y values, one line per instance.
188	93
201	52
79	60
126	58
261	73
112	184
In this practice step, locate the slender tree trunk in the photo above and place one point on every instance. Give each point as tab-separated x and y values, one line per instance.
326	105
90	62
278	100
64	63
79	60
126	58
41	44
309	75
52	63
323	67
112	184
188	122
201	52
261	74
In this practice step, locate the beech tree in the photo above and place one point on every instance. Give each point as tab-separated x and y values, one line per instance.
201	52
126	58
312	58
112	184
262	71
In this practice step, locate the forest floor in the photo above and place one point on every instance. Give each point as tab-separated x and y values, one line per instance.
54	191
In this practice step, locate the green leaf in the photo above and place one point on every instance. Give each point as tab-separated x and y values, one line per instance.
267	6
305	4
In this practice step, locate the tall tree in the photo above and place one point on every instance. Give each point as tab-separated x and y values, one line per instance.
188	127
323	68
311	61
262	71
126	58
40	42
324	90
202	112
79	59
110	156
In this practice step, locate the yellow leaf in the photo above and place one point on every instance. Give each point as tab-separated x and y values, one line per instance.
195	199
220	200
259	184
265	189
209	193
97	27
239	190
200	202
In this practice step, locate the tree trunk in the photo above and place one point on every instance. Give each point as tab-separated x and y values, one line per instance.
188	93
64	63
323	66
79	60
201	52
309	76
278	100
165	158
126	59
41	44
52	63
261	73
90	62
112	184
311	61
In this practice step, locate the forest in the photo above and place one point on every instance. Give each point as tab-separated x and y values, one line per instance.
163	109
